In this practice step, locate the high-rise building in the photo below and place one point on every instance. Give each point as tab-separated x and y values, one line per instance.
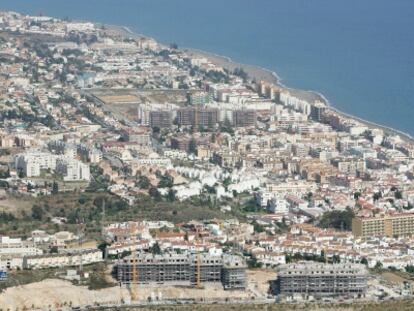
197	116
384	225
317	111
243	118
161	119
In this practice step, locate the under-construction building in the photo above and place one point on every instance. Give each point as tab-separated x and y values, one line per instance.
156	115
321	280
183	269
197	116
161	119
205	268
233	273
243	118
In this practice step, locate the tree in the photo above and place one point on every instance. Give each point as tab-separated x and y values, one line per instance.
378	265
253	263
213	138
82	200
323	256
21	173
29	187
155	249
166	181
54	250
37	212
103	247
226	127
192	146
258	227
337	219
409	269
55	187
364	261
241	73
5	174
154	193
171	195
398	194
336	259
357	195
377	196
144	182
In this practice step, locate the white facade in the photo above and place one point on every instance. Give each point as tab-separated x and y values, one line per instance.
31	163
278	206
73	170
63	260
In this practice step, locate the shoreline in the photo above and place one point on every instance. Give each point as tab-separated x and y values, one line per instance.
261	73
258	72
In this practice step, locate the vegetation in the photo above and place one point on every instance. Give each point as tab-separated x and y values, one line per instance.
88	207
252	263
299	257
241	73
165	181
258	227
27	276
155	249
98	277
341	220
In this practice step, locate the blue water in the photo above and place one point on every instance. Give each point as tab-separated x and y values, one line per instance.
358	53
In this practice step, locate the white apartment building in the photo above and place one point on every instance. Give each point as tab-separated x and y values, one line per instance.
12	252
87	256
95	156
73	170
31	163
278	206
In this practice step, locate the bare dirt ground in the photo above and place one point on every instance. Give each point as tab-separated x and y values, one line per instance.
111	99
15	205
393	278
55	292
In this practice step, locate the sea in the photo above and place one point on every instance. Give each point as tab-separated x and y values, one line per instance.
358	53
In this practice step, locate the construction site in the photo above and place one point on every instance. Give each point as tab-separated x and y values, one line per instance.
321	280
136	105
190	269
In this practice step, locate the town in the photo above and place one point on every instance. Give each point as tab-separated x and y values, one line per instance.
160	176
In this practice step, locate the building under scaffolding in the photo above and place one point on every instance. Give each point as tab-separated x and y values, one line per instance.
319	279
233	273
183	269
209	268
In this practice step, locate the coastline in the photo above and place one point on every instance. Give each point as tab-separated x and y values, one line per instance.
257	72
260	73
